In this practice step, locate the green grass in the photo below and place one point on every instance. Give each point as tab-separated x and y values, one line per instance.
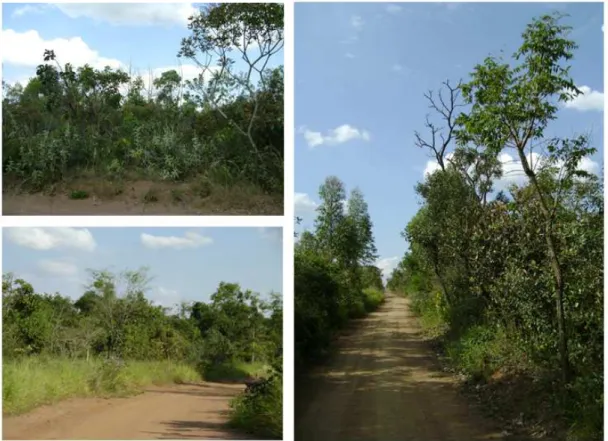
482	351
234	371
34	381
372	299
431	311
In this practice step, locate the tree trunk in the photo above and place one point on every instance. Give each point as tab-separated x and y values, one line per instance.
559	306
555	266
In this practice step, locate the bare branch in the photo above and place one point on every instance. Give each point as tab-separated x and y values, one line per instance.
447	109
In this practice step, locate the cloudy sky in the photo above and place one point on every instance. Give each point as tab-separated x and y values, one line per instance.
145	37
361	71
186	264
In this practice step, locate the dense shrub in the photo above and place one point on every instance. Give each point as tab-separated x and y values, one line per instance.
372	298
110	342
514	280
259	411
66	123
334	279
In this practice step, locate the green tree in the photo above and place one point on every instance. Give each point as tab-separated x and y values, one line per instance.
220	29
357	210
330	216
511	107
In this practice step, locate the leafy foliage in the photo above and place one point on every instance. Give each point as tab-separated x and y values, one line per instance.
334	278
67	122
113	326
515	281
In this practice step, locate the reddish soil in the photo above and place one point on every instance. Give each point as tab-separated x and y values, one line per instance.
385	384
142	198
196	411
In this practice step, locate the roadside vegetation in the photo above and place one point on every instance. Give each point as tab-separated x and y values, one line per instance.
511	282
113	341
335	279
90	133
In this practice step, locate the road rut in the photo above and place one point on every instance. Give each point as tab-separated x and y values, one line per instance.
196	411
384	384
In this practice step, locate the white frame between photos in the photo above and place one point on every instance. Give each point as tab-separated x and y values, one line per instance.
286	221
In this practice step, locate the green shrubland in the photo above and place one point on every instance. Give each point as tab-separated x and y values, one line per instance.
511	282
222	129
114	341
335	279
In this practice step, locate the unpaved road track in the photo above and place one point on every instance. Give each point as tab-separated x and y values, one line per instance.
384	384
198	411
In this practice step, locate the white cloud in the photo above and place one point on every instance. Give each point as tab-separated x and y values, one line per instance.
589	165
512	171
28	9
24	81
349	55
398	68
303	203
25	49
432	166
339	135
131	14
190	240
313	139
452	6
387	265
58	268
167	298
589	100
356	22
272	233
393	8
49	238
185	71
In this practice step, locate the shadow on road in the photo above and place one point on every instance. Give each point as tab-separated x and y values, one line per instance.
207	390
198	430
384	383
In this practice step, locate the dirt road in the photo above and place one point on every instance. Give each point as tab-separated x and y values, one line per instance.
197	411
384	384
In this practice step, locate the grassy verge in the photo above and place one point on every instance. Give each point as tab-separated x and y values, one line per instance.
31	382
259	410
526	398
234	371
372	299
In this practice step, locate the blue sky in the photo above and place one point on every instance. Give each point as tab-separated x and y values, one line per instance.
361	71
186	264
146	37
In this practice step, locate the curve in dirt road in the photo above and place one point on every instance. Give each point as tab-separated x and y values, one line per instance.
196	411
384	384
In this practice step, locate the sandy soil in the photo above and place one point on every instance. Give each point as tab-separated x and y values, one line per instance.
142	198
196	411
385	384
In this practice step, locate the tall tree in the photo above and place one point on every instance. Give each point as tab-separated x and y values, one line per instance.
222	29
330	215
357	210
511	107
